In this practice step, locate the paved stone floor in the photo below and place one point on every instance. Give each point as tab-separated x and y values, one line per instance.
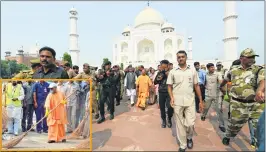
39	141
137	130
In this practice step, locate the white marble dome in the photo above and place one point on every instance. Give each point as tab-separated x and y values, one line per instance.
167	25
149	15
127	29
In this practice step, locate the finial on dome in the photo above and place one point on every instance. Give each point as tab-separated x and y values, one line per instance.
148	3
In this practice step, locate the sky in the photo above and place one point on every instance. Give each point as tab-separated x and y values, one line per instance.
24	23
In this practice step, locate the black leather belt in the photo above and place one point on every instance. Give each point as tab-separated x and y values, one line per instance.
243	101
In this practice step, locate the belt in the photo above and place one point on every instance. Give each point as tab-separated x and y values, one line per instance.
243	101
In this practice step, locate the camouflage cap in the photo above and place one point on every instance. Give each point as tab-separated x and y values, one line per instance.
107	63
248	52
35	61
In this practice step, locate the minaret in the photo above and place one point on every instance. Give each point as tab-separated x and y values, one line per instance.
230	37
190	48
20	55
73	37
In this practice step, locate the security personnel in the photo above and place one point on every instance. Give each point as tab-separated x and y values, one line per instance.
221	71
164	98
247	94
87	74
118	76
49	70
122	77
212	95
108	81
27	74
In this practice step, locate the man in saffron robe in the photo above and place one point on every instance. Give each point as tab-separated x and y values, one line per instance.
57	119
143	83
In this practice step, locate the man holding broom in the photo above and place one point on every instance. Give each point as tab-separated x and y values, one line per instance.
58	118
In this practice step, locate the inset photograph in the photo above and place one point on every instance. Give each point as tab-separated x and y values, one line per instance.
47	115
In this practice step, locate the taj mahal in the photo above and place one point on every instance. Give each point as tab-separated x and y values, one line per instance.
152	39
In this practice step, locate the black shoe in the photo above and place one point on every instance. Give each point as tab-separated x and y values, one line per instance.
142	108
132	104
45	131
39	132
112	116
24	130
51	141
198	111
164	124
202	118
64	140
118	103
189	143
96	116
222	128
102	119
181	150
169	123
226	141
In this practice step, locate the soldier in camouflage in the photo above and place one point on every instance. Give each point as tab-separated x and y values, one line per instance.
122	77
27	74
247	94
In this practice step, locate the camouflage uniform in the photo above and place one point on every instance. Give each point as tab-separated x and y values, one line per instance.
27	74
92	75
122	77
243	107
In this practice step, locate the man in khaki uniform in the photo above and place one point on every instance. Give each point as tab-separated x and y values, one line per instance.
182	82
27	74
220	70
87	74
71	73
212	94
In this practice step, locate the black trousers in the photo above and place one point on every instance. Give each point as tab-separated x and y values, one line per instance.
118	93
164	100
27	116
202	90
107	95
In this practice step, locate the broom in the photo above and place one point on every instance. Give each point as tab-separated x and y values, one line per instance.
4	113
78	131
15	141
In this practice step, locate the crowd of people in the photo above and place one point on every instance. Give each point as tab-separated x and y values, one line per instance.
180	92
37	97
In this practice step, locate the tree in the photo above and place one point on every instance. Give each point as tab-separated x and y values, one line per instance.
9	68
122	66
67	58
